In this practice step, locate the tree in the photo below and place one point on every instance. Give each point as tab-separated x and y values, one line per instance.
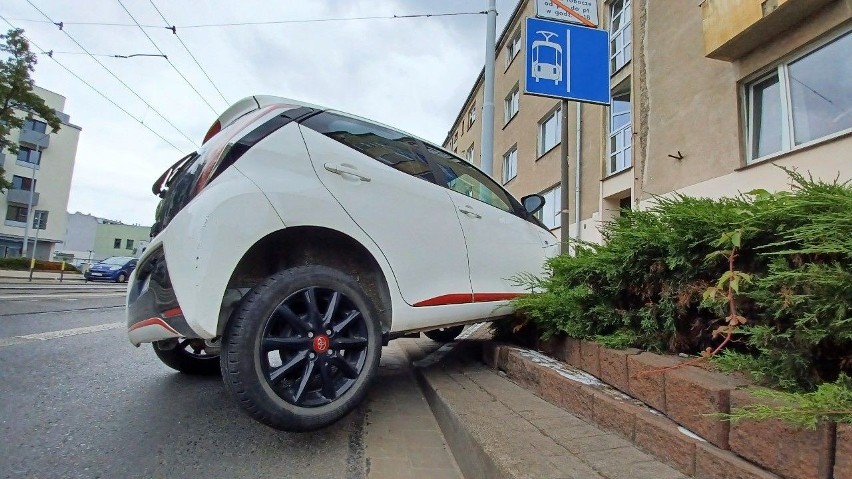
16	93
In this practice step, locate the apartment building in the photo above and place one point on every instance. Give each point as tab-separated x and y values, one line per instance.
89	239
709	98
41	176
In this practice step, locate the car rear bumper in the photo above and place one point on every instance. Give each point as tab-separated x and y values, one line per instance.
153	312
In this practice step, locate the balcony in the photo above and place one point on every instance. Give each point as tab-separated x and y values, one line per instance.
35	138
733	28
21	197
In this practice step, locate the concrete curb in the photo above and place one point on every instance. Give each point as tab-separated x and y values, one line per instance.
496	428
469	453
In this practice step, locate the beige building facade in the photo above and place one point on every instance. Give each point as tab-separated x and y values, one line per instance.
43	166
709	98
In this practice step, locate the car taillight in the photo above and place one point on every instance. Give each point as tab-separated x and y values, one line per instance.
216	127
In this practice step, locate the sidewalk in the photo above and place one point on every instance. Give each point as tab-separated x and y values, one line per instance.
15	276
497	429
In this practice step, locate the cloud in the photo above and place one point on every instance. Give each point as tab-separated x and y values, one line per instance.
413	74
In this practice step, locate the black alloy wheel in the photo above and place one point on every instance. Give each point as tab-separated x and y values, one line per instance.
299	351
314	346
189	356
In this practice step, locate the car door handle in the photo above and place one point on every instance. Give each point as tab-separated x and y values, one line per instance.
470	212
343	169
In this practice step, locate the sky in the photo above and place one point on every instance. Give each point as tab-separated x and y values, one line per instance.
413	74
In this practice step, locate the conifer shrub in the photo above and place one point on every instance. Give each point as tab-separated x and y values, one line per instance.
644	286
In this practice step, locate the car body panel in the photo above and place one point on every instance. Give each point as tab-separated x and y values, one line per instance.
412	221
206	240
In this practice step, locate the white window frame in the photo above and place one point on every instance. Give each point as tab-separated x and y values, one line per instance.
624	32
628	159
555	194
510	164
513	47
512	99
471	116
455	141
557	115
788	137
468	154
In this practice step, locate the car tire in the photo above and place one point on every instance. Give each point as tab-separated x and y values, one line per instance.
121	278
445	335
278	359
197	362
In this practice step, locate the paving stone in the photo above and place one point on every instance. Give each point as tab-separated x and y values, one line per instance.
694	396
786	450
567	394
602	442
646	381
660	436
843	456
714	463
613	366
389	468
430	457
589	357
613	414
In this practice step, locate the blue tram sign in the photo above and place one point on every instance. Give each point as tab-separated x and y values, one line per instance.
567	61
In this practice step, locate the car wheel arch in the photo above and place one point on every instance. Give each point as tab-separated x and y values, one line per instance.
312	245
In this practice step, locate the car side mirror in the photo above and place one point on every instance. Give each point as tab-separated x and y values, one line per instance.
532	203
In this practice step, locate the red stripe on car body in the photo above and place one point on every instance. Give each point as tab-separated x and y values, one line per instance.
152	322
466	298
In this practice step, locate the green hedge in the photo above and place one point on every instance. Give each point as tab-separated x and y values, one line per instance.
23	264
643	287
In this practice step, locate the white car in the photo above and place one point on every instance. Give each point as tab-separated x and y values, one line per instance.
298	240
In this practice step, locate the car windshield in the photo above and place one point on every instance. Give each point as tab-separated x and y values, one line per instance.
119	260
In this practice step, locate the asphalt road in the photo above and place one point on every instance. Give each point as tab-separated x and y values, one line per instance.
78	400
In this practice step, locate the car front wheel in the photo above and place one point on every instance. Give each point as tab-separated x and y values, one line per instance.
300	350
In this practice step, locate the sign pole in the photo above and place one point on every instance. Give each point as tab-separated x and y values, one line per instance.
487	158
564	217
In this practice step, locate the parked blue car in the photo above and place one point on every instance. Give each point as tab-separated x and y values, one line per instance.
116	268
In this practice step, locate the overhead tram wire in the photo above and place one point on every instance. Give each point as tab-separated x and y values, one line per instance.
98	91
131	90
269	22
189	52
215	112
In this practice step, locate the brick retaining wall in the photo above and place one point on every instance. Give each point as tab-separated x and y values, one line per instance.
685	397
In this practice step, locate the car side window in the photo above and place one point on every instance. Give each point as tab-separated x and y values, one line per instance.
393	148
467	180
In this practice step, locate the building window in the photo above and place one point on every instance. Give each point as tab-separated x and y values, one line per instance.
17	213
129	244
22	183
510	164
35	125
471	116
800	101
40	219
550	132
28	155
513	48
468	154
511	104
621	134
116	243
455	142
551	213
620	35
